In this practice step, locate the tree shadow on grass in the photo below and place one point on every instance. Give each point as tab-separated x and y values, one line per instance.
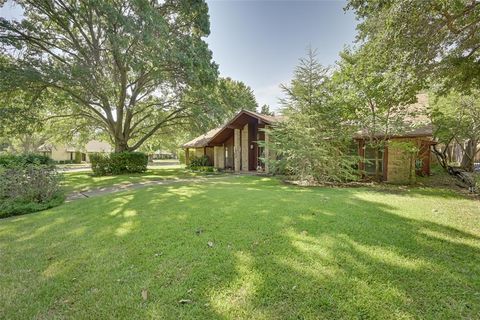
277	252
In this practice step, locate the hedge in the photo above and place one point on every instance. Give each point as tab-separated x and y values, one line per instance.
118	163
11	160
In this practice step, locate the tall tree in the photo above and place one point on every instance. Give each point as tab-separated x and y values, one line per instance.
438	38
265	109
217	103
377	93
125	65
457	123
312	143
306	87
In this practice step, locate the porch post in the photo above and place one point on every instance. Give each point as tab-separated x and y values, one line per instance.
187	156
237	153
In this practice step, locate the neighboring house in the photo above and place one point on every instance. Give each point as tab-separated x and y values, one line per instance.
163	154
234	147
66	153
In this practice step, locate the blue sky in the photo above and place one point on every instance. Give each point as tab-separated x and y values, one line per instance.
260	42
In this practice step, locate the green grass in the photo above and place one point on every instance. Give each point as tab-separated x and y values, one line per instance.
85	180
278	252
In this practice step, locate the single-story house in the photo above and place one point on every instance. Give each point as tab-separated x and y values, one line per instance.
235	147
66	153
163	154
393	162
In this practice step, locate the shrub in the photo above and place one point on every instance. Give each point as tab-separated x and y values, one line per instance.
118	163
198	162
11	160
28	187
78	157
128	162
203	168
100	164
181	156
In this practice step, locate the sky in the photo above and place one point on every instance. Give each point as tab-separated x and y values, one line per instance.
260	42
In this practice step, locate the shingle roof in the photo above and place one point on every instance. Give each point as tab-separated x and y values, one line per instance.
264	117
202	141
416	121
421	131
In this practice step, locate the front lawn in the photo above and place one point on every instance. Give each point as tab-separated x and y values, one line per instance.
85	180
245	247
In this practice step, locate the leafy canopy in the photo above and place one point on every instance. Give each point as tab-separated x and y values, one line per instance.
438	39
125	66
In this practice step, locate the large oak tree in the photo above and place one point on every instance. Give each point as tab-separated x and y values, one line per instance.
440	39
125	66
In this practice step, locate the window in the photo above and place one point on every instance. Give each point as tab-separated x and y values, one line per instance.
373	160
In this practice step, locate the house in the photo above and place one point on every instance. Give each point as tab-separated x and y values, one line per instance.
235	147
393	162
66	153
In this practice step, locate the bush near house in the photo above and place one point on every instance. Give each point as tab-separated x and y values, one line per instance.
198	162
201	164
118	163
203	169
28	183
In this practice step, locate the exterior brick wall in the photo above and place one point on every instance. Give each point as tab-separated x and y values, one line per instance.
401	165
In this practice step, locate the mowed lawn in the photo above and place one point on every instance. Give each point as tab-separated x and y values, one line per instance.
85	180
245	248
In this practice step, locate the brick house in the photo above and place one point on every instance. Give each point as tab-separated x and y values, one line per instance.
235	147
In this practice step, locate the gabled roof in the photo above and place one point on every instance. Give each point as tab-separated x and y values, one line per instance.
264	117
421	131
416	122
204	139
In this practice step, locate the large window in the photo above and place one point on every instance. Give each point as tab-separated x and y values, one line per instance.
373	161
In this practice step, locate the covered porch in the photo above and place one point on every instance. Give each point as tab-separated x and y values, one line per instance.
237	145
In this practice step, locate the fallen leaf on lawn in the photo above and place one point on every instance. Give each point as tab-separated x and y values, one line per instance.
144	294
210	244
185	301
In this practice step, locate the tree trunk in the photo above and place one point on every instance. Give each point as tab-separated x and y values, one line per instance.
469	155
121	145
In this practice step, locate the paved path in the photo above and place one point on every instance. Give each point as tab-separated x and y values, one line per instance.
133	186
